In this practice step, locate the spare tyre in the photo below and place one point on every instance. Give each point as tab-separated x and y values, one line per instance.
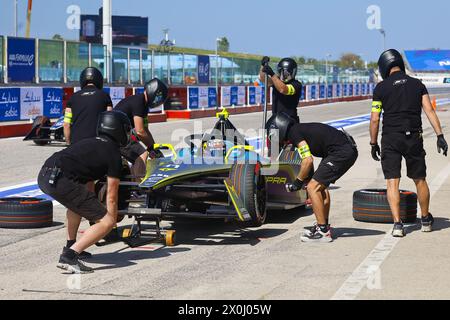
371	205
25	213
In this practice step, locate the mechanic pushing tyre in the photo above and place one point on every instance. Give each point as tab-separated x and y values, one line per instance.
372	205
25	213
251	188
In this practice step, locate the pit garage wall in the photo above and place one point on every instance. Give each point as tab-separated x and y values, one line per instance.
19	105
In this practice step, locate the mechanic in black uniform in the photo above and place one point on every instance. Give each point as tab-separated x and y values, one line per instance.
85	106
64	175
401	99
137	108
286	89
338	151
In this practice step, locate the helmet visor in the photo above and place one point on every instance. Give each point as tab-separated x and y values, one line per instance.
286	75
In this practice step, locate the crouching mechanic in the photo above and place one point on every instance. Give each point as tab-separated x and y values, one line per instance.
338	152
401	99
137	108
64	175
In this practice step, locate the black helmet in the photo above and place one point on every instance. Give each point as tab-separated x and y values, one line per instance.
93	76
287	69
157	93
389	59
279	125
115	125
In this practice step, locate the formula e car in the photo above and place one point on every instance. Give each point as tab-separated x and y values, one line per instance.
216	175
44	132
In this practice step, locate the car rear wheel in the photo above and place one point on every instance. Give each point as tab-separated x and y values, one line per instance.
251	187
372	205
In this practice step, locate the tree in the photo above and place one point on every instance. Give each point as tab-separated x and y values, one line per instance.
351	60
223	44
58	37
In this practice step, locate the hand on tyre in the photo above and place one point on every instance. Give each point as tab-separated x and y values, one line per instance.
265	61
442	145
268	70
376	152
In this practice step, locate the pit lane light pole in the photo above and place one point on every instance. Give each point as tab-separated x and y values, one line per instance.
16	19
217	71
107	36
383	33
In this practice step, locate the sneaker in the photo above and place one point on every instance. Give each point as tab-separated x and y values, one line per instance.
318	236
398	231
311	229
85	255
73	265
427	223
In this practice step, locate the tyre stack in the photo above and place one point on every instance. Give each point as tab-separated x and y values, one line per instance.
25	213
371	205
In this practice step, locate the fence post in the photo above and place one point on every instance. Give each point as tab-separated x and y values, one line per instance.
37	61
65	63
5	48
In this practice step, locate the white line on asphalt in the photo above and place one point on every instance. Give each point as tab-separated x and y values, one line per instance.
364	272
26	184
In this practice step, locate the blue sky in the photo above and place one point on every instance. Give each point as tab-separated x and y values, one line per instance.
280	28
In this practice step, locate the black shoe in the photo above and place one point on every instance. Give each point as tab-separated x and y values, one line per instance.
72	264
427	223
398	231
318	235
83	255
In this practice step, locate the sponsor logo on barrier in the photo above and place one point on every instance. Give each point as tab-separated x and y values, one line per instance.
444	63
7	99
11	113
21	60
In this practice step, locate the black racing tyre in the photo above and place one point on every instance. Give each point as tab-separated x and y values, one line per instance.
40	143
25	213
371	205
250	185
291	157
41	121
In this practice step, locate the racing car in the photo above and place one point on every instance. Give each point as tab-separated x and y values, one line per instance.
215	175
44	132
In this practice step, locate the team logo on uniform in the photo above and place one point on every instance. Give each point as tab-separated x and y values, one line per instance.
400	82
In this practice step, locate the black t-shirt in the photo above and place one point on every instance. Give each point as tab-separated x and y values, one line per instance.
87	104
399	97
322	139
89	160
287	103
134	106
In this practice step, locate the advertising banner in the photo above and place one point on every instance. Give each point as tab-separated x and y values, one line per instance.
212	97
363	89
31	103
203	69
117	94
338	90
357	89
330	92
234	96
193	100
10	104
226	96
203	97
21	60
241	96
303	95
313	92
371	88
53	102
350	90
322	93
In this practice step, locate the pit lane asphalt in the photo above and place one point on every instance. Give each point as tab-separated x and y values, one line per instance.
225	261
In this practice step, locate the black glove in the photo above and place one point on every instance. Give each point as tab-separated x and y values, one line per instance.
268	70
265	61
442	145
376	152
